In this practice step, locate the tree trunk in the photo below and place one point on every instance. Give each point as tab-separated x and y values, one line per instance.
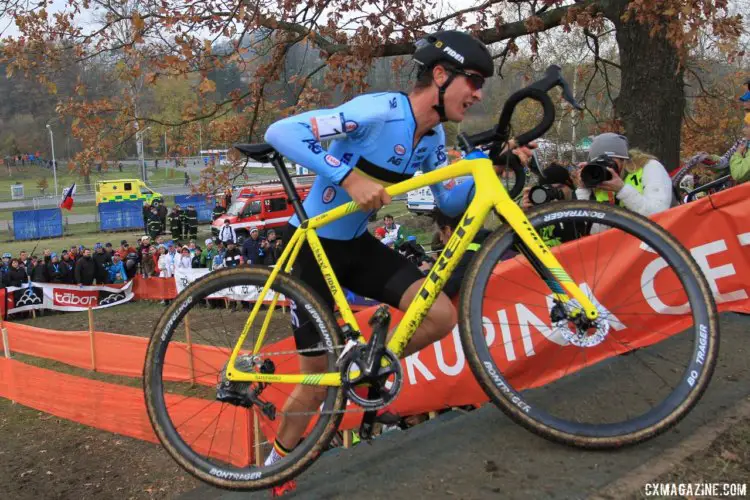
652	95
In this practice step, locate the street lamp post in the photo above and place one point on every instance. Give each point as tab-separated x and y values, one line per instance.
139	144
54	163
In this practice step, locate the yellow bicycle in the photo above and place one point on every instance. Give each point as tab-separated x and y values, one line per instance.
217	380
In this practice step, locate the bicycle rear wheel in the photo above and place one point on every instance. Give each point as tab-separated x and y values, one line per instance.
634	374
212	427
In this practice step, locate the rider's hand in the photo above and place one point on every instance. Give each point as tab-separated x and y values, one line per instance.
368	194
742	149
615	184
525	201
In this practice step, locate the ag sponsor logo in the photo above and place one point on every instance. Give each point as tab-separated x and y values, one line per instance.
574	213
75	298
329	194
350	126
332	160
399	149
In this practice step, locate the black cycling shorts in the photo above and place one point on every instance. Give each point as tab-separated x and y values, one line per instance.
363	265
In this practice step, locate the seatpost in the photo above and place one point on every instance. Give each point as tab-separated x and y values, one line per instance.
286	181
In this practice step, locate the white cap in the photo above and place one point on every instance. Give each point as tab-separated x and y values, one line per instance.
208	241
252	229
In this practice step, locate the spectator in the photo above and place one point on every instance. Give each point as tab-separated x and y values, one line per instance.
146	216
278	249
162	213
190	229
154	223
393	233
227	233
267	255
47	255
232	257
16	275
38	271
380	234
148	263
74	254
5	267
144	243
24	259
108	249
184	261
175	223
85	269
218	210
67	265
198	261
124	250
639	182
56	270
207	258
116	271
739	165
168	261
251	249
102	260
192	247
271	237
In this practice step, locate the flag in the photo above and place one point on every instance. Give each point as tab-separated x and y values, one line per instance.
67	199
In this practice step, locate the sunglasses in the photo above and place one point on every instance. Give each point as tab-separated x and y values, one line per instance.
476	81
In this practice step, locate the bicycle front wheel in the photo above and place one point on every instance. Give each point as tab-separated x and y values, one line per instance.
222	431
629	377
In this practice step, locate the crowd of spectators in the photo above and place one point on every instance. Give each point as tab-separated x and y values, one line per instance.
106	264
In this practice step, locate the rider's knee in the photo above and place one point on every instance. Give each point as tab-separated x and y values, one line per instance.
443	314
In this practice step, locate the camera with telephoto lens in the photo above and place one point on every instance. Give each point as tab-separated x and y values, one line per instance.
539	195
595	172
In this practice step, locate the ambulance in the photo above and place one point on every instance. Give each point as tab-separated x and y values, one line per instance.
125	190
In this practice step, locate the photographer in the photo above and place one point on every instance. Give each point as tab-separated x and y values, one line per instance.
557	185
631	178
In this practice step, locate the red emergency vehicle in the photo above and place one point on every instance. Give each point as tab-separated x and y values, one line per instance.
264	206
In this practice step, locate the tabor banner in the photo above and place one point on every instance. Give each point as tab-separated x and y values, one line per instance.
183	277
64	297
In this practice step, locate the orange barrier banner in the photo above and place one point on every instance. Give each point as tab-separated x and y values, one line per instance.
115	408
529	351
154	288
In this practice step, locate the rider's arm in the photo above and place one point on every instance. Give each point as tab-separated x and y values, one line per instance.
657	191
298	137
739	166
451	202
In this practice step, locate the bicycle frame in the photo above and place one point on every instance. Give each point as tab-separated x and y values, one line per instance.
490	193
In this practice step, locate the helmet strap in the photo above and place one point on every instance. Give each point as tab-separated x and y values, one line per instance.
440	106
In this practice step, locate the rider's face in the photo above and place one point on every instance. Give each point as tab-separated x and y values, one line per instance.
460	95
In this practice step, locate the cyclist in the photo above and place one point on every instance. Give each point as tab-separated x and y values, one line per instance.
376	140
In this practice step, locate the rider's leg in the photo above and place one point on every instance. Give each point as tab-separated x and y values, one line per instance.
304	398
440	319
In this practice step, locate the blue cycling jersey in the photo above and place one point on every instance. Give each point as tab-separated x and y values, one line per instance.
372	134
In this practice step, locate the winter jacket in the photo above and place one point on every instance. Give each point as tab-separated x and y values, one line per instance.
113	270
85	271
16	277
